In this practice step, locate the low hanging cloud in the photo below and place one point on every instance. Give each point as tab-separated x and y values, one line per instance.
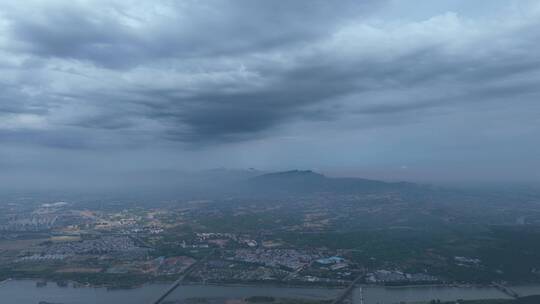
228	70
118	74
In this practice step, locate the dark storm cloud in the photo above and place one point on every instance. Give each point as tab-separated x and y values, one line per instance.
229	116
9	102
93	75
112	36
225	116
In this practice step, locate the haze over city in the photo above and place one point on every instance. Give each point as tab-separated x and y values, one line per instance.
270	152
96	92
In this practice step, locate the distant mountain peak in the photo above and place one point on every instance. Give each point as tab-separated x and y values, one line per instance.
293	173
310	182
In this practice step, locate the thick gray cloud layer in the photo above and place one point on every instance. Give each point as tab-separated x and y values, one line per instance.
355	84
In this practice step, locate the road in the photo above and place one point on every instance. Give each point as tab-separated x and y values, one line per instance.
507	290
178	282
348	291
291	275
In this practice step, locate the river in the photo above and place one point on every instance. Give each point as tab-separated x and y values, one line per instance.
391	295
26	292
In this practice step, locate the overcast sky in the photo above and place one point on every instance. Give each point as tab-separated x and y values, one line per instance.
412	90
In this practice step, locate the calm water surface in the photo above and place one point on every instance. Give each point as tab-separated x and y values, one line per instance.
392	295
527	290
26	292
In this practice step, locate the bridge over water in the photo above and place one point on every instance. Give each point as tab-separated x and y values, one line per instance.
179	281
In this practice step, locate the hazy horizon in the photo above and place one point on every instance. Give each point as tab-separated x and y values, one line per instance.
95	93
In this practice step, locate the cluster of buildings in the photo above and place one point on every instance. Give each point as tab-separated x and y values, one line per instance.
221	239
467	262
333	263
289	258
230	271
106	244
394	276
42	258
277	265
31	223
171	265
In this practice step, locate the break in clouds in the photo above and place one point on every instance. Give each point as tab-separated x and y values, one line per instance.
429	90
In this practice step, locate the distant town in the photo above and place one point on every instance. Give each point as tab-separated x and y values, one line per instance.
319	239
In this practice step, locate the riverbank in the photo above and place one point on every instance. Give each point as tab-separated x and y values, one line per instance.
264	284
125	281
26	292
